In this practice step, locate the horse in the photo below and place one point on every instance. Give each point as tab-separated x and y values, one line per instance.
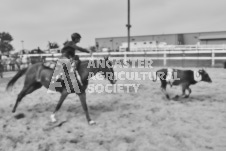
45	74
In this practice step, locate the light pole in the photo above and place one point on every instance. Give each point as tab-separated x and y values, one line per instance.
112	46
22	42
128	26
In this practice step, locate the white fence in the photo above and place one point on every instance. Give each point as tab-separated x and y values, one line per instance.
176	47
202	55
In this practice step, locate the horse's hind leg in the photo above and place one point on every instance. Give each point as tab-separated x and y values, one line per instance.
26	90
82	97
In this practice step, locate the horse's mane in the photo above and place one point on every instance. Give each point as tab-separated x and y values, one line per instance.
82	63
85	62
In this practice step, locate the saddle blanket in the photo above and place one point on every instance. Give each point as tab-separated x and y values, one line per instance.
53	65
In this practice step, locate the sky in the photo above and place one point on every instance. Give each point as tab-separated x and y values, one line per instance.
38	21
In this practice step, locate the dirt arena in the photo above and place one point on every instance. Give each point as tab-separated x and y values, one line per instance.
142	121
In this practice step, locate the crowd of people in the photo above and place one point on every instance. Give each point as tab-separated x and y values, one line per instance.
13	63
17	62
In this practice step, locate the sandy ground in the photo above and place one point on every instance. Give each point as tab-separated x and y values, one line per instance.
142	121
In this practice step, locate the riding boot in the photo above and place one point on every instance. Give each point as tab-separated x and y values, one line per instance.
60	75
62	68
38	78
74	68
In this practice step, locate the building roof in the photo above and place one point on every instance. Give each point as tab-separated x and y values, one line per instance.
206	32
212	37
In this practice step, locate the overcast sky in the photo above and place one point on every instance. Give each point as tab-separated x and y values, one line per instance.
38	21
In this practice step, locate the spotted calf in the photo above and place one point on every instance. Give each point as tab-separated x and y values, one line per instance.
185	78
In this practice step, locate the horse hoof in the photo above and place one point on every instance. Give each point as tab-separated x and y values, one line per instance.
168	98
186	96
92	122
53	119
176	98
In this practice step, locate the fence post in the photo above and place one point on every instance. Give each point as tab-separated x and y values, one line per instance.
125	57
213	58
164	57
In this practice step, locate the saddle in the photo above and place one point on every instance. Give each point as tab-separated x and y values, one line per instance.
50	64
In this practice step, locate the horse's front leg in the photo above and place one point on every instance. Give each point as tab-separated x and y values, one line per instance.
82	97
64	94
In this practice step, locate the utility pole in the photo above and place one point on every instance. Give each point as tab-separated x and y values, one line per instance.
22	42
128	26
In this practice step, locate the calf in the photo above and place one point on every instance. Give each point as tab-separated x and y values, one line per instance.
185	78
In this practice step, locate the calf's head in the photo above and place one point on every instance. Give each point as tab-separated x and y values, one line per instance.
205	76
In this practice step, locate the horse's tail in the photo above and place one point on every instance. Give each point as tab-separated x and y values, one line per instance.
15	78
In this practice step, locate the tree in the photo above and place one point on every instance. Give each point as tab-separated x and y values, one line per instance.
36	51
5	39
53	45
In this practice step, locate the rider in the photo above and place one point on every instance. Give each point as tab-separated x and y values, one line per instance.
70	47
68	51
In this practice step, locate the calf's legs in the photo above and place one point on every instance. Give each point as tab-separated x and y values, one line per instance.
184	88
163	89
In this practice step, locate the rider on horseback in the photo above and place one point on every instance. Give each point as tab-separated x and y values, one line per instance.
68	52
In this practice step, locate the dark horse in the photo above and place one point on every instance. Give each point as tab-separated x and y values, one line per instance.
31	82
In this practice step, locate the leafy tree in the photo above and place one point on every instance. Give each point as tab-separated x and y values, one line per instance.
5	47
36	51
53	45
5	39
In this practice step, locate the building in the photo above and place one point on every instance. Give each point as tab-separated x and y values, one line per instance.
203	38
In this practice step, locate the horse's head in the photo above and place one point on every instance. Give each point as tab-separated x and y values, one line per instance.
107	70
205	76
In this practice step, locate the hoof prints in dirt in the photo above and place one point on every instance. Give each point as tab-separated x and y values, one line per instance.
19	116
